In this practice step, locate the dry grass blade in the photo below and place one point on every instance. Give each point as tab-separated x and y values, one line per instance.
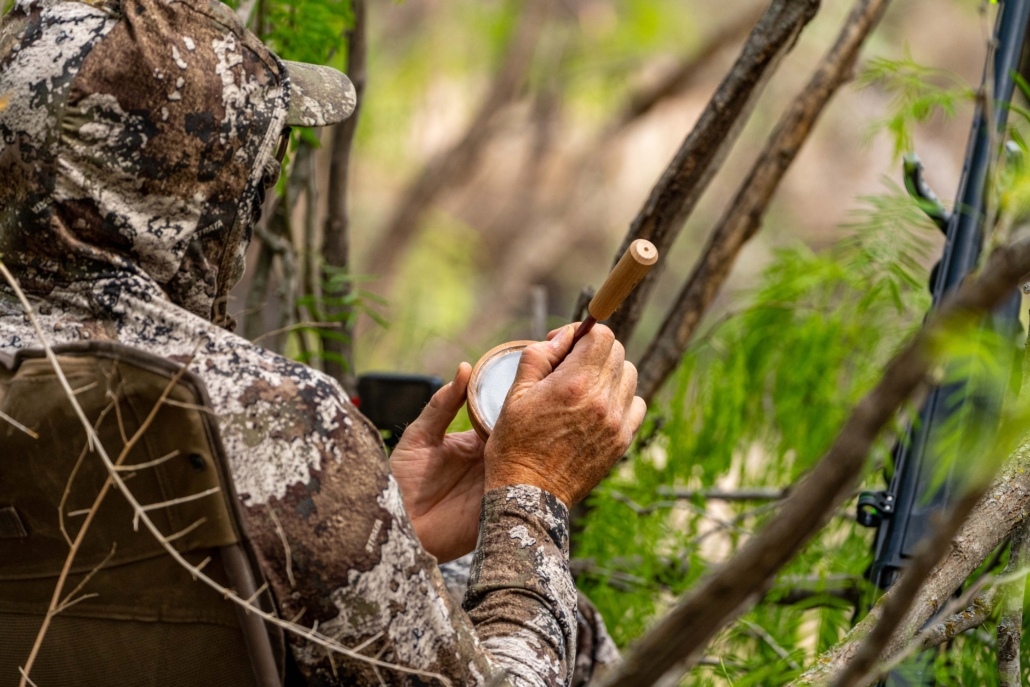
67	600
286	546
17	425
149	463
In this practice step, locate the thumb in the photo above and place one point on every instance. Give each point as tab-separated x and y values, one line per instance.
539	360
432	423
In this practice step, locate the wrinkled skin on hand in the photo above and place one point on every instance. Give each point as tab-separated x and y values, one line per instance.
441	475
570	414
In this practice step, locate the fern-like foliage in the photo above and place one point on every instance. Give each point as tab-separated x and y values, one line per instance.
757	401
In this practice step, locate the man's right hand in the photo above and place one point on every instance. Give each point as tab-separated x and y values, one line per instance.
566	420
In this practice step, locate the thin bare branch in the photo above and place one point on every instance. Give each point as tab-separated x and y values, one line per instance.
149	463
706	146
93	442
457	163
679	78
286	546
761	633
181	533
743	218
17	425
87	578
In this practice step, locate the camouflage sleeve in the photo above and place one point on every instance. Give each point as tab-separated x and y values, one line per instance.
340	551
521	596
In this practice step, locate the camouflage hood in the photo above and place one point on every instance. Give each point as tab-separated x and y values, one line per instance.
138	138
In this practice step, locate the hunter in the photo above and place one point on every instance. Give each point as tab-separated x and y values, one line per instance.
139	140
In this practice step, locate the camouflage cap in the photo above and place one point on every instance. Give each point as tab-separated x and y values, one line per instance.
318	95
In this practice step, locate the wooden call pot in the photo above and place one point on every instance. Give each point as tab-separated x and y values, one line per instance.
481	418
634	264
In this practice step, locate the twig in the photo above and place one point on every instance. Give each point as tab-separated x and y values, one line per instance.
706	146
286	546
744	494
17	425
336	231
25	677
298	325
118	414
115	478
185	530
761	633
189	406
173	502
675	81
87	578
149	463
74	472
743	217
460	161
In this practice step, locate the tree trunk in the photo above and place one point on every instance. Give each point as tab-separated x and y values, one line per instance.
335	235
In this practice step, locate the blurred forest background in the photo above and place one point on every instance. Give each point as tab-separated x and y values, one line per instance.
504	147
567	158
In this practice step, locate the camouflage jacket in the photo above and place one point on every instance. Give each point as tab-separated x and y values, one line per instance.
138	139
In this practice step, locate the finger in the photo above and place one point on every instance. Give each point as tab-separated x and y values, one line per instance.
443	407
628	385
593	348
551	334
613	368
539	360
467	445
633	418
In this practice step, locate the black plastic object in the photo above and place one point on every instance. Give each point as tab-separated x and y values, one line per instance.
916	490
873	507
393	401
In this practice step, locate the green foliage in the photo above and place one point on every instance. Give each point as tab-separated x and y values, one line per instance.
306	30
339	303
917	93
757	401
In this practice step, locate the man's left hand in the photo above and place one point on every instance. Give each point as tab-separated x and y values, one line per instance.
441	475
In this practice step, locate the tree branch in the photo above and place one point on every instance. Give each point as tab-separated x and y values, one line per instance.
744	214
336	233
706	146
995	517
741	580
676	81
455	165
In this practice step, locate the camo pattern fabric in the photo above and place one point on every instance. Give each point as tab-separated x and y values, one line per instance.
138	138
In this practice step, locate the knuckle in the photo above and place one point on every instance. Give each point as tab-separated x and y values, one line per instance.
604	332
618	350
578	388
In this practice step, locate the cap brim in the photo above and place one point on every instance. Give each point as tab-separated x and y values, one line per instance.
319	95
